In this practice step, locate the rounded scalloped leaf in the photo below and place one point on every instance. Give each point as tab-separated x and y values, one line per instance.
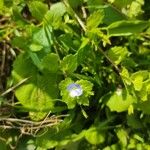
39	92
138	78
94	136
69	63
120	101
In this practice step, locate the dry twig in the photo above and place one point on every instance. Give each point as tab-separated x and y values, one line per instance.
27	126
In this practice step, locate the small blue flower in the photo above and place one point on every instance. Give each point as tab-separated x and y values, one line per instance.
74	90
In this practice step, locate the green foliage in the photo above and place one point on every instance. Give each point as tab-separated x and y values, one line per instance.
83	99
85	62
51	62
120	101
125	28
43	33
38	9
69	63
94	136
95	19
54	15
39	92
122	136
118	54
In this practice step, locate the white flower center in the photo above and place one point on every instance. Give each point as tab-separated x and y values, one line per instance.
74	90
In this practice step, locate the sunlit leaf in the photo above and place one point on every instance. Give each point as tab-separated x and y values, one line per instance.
122	136
120	101
95	136
135	8
69	63
42	39
125	75
54	15
117	54
126	28
95	19
39	92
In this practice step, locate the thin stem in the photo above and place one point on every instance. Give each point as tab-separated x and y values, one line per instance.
14	87
75	15
115	66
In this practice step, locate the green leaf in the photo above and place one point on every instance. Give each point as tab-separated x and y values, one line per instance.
122	136
112	147
117	54
120	101
122	3
138	79
53	138
51	62
48	140
39	92
108	11
1	4
35	47
69	63
20	42
26	143
115	15
135	8
87	87
82	99
95	19
144	93
35	59
125	75
84	51
94	136
134	122
138	137
17	15
84	43
94	3
75	3
84	113
38	9
3	145
67	42
143	73
42	39
126	28
54	15
138	83
144	106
